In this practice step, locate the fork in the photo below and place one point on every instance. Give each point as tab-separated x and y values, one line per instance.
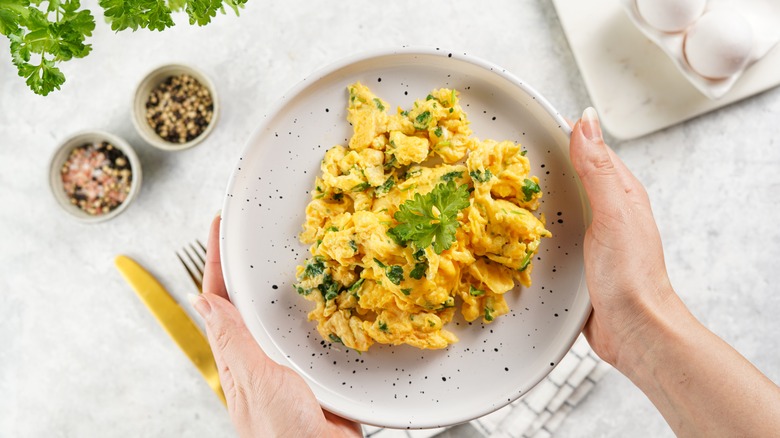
196	254
196	272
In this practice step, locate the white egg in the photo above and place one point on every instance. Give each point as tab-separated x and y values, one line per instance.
670	15
719	44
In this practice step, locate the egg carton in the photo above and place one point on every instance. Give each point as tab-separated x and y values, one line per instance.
761	15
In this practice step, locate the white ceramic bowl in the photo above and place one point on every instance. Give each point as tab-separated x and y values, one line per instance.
144	89
61	155
403	387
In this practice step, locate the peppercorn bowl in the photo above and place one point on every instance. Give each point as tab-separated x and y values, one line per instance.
94	176
175	107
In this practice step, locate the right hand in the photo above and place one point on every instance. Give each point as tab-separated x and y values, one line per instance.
624	260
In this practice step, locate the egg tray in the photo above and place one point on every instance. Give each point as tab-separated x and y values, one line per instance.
760	14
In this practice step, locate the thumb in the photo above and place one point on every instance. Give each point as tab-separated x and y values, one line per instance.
593	162
239	359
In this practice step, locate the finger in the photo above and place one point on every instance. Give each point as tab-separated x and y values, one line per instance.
236	353
213	282
594	164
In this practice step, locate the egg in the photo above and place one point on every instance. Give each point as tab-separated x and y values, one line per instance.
370	288
719	44
670	15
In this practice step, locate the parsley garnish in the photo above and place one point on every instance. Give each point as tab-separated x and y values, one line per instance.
481	176
360	187
378	104
314	267
384	188
474	292
419	270
406	291
335	338
395	274
422	120
329	288
355	286
449	176
529	188
353	245
438	132
526	261
418	223
383	326
488	314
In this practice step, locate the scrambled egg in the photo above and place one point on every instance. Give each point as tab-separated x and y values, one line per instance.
370	287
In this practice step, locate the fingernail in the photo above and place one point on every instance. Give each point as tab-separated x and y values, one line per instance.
591	126
200	305
219	213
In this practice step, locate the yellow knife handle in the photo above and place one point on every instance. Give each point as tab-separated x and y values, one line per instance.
173	319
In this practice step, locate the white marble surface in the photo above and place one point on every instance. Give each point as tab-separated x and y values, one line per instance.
79	354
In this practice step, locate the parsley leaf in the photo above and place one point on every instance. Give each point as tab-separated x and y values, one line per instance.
529	188
395	274
418	223
474	292
378	104
314	267
329	288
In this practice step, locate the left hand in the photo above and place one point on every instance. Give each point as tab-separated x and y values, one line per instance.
263	397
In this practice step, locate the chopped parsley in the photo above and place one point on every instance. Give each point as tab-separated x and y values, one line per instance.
353	245
391	162
530	188
406	291
526	261
385	188
329	288
488	314
360	187
522	153
356	285
422	120
449	176
383	326
314	267
378	104
395	274
481	176
474	292
418	223
438	132
429	97
419	270
301	290
331	229
335	339
405	113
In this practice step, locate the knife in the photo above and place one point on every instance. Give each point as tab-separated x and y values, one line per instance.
173	319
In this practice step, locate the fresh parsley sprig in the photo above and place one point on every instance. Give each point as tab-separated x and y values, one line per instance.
431	218
44	33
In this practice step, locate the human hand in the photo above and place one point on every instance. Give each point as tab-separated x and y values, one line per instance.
263	397
624	261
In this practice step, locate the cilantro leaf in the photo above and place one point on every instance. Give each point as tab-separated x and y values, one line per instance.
419	223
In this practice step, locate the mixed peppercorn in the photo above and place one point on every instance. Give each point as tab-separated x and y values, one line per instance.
179	109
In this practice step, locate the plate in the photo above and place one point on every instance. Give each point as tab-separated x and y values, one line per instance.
400	386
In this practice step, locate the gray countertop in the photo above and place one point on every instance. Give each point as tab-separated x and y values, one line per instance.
81	356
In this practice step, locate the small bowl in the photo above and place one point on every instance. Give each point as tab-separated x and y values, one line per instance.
144	89
60	157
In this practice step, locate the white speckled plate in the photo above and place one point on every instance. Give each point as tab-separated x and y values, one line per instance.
404	387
